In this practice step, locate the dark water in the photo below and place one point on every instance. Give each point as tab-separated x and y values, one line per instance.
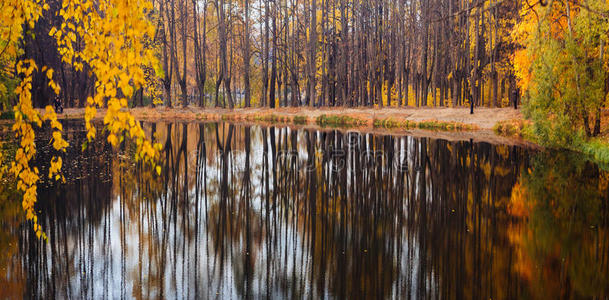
272	213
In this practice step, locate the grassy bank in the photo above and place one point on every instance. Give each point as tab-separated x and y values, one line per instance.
343	121
515	128
446	119
597	148
442	123
390	123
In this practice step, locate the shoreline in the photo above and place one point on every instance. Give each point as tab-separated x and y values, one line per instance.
483	118
453	124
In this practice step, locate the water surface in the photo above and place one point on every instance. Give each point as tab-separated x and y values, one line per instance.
277	213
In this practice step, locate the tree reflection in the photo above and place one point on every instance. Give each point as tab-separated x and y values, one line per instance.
564	242
267	212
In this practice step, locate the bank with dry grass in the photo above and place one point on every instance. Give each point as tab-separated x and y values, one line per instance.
445	119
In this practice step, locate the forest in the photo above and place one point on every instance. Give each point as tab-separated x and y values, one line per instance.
302	52
324	53
378	53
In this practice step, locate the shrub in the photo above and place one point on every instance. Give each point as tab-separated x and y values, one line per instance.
299	120
7	115
334	120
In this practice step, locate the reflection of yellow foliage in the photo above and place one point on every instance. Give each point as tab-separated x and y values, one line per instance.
523	264
558	233
13	282
518	206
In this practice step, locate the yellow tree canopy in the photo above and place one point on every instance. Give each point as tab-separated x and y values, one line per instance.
112	42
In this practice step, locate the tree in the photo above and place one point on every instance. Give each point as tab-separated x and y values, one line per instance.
200	50
246	54
111	44
224	74
562	68
183	6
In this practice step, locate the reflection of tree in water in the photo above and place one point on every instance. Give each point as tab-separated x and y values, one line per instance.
350	221
378	229
12	280
278	213
69	212
564	242
465	219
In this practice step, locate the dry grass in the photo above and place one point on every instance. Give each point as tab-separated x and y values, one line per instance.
446	119
516	127
390	123
339	121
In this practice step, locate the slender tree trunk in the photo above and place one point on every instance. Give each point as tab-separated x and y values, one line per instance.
246	56
311	62
273	60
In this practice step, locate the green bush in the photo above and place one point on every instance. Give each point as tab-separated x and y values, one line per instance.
335	120
299	120
7	115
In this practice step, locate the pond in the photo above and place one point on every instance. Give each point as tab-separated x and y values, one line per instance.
251	212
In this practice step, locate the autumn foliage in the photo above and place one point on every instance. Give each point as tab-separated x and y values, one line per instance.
562	68
113	35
